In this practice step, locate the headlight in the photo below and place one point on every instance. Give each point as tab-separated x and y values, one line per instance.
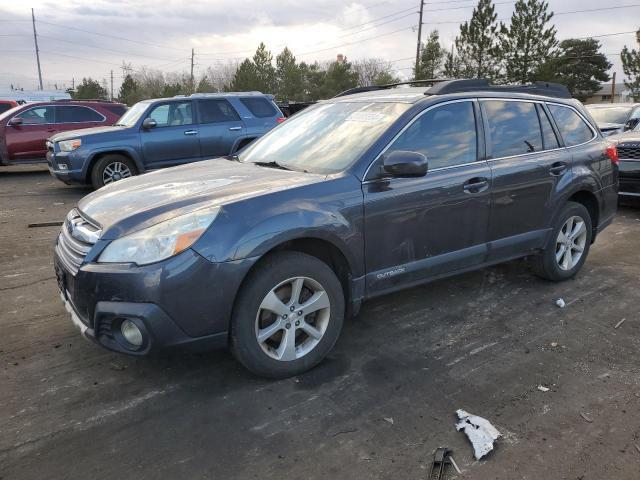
69	145
160	241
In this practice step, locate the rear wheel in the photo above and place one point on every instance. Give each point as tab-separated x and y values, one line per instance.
568	250
112	168
288	315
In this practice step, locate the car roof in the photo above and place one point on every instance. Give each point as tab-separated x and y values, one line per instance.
208	95
613	105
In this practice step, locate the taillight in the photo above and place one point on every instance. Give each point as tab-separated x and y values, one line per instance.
612	153
280	119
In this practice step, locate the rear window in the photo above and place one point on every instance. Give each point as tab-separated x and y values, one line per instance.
117	109
216	111
77	114
259	107
573	128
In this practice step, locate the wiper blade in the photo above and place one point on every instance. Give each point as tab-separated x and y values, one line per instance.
272	164
234	158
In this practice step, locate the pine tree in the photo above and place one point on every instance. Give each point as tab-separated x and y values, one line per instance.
431	58
579	64
245	78
631	68
528	41
313	80
289	77
129	92
264	71
338	77
453	67
205	85
477	43
384	78
90	89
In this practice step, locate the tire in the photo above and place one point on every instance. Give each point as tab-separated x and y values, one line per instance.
556	263
120	166
272	284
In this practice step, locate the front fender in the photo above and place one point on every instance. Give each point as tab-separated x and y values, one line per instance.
127	150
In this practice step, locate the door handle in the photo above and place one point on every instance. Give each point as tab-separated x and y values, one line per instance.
235	129
191	132
476	185
558	168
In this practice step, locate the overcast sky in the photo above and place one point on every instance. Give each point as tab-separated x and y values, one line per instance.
160	34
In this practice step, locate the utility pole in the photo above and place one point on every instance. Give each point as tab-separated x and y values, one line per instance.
112	85
419	37
193	85
613	88
35	39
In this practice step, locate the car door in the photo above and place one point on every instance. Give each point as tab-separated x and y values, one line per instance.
74	117
174	139
528	168
27	141
420	228
220	127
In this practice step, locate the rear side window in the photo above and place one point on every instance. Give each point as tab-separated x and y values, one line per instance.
259	106
514	128
216	111
73	114
117	109
38	116
573	128
549	138
446	135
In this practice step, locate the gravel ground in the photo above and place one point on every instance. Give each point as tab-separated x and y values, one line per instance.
376	409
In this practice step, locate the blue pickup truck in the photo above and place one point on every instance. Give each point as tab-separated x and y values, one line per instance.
162	133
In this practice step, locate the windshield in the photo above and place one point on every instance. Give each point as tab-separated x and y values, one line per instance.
610	114
326	138
131	117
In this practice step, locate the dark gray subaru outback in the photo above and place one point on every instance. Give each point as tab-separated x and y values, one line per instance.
358	196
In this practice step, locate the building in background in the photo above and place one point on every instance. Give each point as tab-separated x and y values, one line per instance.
22	96
622	94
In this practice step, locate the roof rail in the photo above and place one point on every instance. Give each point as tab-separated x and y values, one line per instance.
373	88
480	84
83	100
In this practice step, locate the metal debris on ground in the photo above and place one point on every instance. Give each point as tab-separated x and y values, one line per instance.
560	303
388	420
480	432
620	323
587	419
44	224
542	388
441	458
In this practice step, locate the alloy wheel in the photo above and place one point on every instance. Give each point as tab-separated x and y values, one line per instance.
115	171
571	243
292	318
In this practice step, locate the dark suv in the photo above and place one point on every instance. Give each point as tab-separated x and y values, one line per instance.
162	133
355	197
25	128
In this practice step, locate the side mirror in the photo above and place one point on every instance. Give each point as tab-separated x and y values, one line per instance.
405	164
16	121
149	123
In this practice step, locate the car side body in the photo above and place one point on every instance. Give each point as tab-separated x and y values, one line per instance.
185	129
378	233
24	129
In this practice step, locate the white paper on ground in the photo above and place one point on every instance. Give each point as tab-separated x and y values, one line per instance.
480	432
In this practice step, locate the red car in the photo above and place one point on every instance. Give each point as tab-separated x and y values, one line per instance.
7	105
24	129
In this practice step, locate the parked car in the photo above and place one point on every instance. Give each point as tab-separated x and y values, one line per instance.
352	198
162	133
628	145
24	129
7	105
614	118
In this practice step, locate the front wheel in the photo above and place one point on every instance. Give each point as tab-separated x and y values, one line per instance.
288	315
112	168
567	252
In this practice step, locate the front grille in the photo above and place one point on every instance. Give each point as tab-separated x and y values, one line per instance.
629	153
76	238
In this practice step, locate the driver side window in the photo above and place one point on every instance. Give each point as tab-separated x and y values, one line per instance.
172	114
446	135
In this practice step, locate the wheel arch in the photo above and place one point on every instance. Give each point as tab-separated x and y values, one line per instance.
588	199
93	159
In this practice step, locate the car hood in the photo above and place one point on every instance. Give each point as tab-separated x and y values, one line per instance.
624	138
139	202
85	132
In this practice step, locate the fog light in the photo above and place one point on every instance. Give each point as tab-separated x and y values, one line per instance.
131	333
62	166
